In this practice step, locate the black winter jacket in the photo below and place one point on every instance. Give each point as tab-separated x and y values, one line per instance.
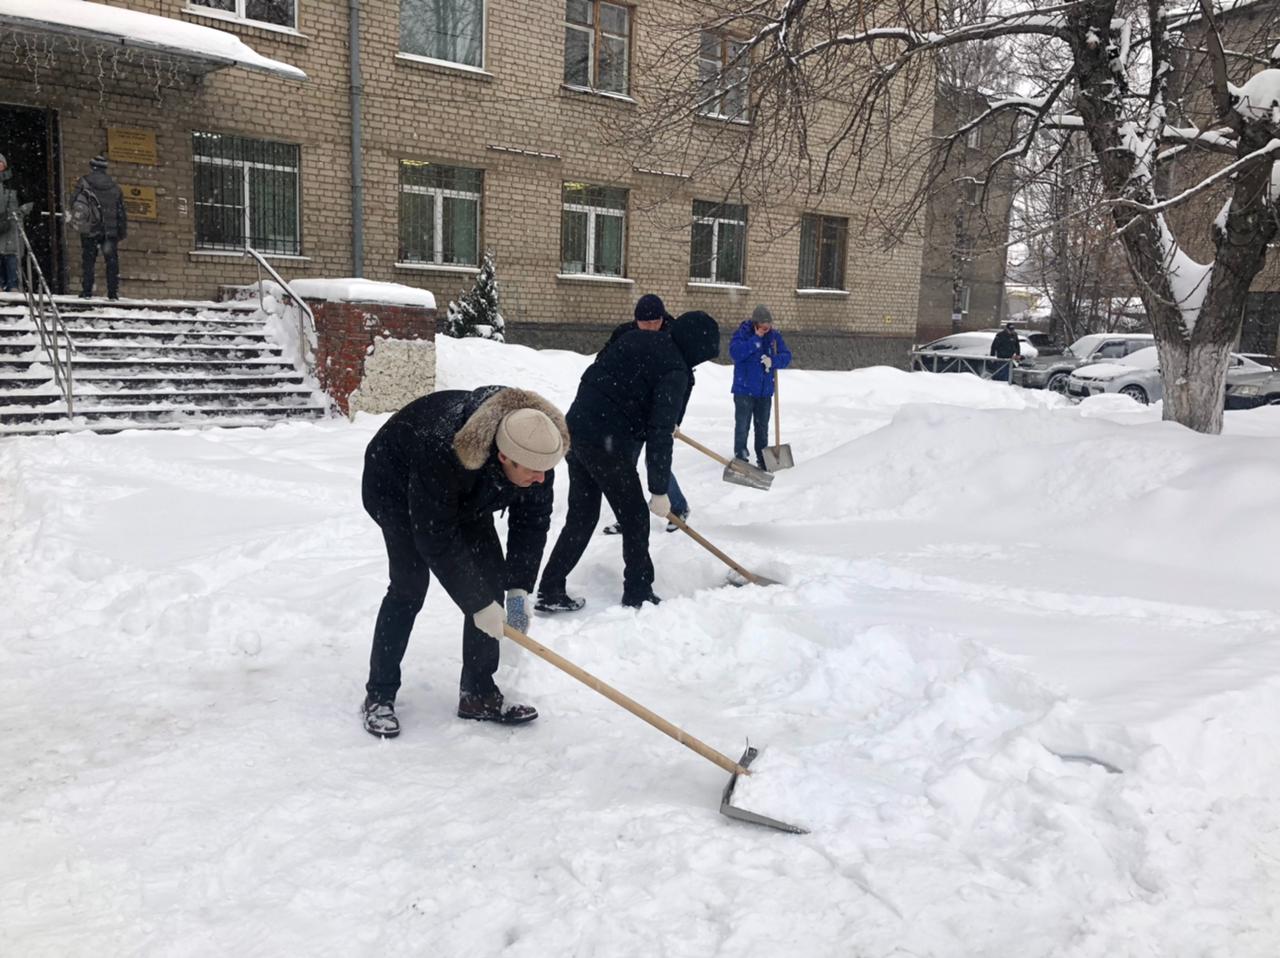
623	328
115	222
1005	345
433	470
637	389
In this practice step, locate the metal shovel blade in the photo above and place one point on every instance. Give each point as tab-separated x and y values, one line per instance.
744	474
741	814
778	457
738	580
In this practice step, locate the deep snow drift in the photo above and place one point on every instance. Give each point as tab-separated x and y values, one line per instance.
992	598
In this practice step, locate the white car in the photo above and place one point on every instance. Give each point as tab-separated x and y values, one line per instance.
1138	376
975	343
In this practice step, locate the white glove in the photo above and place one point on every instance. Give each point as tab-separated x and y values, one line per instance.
490	620
660	506
766	361
518	609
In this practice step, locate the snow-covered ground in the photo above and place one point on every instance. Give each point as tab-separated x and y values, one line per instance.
991	598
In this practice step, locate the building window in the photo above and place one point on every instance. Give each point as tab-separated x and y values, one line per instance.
597	46
960	300
448	30
593	227
718	251
722	77
280	13
823	242
439	214
973	139
246	194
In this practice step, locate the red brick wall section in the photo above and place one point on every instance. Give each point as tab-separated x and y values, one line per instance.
345	334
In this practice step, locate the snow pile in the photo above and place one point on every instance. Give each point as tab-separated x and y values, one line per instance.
1021	684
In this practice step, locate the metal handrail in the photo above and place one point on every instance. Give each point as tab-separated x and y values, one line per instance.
308	353
48	321
985	367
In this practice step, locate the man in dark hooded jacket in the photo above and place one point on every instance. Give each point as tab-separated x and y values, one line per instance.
634	393
112	227
434	475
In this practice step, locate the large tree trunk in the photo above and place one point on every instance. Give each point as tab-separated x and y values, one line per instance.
1194	376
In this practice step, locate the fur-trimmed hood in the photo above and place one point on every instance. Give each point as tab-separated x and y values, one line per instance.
474	442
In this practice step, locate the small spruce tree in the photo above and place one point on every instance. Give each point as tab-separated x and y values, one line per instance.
475	312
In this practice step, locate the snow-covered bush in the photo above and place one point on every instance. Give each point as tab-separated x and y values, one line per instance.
475	312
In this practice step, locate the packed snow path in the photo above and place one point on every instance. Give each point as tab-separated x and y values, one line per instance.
978	581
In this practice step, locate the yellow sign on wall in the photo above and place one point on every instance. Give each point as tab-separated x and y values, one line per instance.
129	144
139	201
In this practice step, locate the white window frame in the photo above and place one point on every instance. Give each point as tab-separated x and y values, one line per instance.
238	15
246	226
714	222
482	67
973	139
440	192
595	29
589	254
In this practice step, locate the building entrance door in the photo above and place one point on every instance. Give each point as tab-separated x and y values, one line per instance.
29	141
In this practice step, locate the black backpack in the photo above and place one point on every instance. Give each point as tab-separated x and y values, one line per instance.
86	212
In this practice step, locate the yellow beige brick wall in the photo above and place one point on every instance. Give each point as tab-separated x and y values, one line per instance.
516	121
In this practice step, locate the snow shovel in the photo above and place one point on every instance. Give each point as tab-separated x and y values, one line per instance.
662	725
777	456
735	470
749	576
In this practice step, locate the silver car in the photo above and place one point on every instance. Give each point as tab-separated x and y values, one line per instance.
1259	388
1138	376
1051	372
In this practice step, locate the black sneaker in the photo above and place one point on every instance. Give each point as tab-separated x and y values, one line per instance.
631	602
558	602
684	517
489	708
613	530
380	718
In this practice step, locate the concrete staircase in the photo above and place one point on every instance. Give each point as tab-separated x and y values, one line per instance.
151	364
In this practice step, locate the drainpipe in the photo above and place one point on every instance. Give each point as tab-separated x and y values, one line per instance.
357	153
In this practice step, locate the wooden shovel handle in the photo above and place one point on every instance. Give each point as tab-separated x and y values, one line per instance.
777	410
631	705
701	448
683	527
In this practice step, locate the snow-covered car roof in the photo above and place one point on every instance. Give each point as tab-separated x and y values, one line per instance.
1147	358
976	342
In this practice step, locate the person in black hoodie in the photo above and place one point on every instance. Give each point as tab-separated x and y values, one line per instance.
434	475
650	315
112	227
634	393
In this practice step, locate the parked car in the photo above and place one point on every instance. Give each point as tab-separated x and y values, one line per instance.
1051	372
1138	376
974	343
1258	388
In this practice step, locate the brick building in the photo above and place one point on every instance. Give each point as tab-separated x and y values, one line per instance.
478	128
962	273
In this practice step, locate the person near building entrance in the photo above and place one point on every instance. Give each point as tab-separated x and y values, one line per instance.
1005	346
434	475
105	225
12	212
633	394
757	349
651	316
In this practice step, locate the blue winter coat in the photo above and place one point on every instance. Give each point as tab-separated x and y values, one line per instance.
746	348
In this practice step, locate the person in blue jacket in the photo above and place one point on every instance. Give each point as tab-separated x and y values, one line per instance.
757	349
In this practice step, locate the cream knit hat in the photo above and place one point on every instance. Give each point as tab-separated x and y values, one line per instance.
530	438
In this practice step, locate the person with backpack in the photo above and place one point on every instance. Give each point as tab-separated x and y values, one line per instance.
12	212
98	215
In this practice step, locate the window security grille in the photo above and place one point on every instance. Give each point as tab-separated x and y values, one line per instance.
718	251
593	229
246	194
439	214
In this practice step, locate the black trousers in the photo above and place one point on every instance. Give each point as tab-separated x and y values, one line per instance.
406	592
89	260
593	472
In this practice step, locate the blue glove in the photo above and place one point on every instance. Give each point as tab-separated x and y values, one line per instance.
518	610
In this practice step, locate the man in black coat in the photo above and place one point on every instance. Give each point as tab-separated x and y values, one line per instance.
1005	345
434	475
113	226
634	393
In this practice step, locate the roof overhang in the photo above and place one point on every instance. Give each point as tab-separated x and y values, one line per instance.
200	49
